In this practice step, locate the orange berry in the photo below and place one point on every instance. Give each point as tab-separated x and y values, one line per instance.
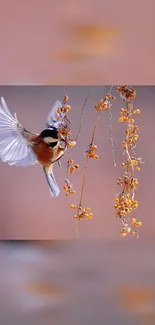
76	166
73	206
133	220
136	128
133	162
135	137
85	215
138	224
135	180
137	111
66	98
129	203
105	107
71	144
68	107
87	209
124	143
121	119
135	205
58	118
59	110
98	108
122	234
73	192
71	170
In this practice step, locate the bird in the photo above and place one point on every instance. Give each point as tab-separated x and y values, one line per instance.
20	147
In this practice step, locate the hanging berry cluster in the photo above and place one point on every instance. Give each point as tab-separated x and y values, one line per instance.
83	212
125	202
65	133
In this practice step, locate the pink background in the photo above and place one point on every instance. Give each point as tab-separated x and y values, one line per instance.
28	211
54	42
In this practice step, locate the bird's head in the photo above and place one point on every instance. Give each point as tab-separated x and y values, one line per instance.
50	136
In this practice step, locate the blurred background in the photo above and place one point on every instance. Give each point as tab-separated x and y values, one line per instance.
28	211
50	42
69	282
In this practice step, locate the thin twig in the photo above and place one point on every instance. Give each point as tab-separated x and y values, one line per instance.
111	131
83	180
111	137
86	162
81	115
64	90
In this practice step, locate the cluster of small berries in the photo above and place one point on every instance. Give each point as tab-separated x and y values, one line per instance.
64	130
61	112
72	168
105	103
125	202
126	93
68	188
91	151
65	133
81	212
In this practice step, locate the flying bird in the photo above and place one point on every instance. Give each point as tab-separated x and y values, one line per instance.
22	148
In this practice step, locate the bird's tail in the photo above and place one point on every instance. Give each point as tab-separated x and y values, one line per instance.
54	189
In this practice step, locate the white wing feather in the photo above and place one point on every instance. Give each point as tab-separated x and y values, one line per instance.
14	148
52	116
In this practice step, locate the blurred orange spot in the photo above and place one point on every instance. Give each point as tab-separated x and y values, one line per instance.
46	289
93	41
135	297
83	52
69	56
98	49
93	33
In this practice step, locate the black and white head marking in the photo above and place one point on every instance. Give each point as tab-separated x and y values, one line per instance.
50	137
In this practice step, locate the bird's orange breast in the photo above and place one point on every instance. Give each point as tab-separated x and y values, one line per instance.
44	154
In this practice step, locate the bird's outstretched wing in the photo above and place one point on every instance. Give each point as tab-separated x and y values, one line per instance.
52	116
15	146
